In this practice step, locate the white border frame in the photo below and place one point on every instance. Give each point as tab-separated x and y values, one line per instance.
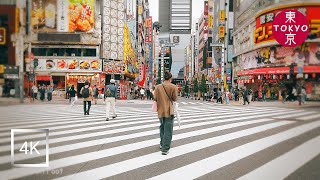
26	131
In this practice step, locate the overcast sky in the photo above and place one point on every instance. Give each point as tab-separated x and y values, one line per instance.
197	8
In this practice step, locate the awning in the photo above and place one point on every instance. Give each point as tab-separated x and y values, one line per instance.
278	70
43	78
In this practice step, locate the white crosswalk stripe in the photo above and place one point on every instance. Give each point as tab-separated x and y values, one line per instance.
86	146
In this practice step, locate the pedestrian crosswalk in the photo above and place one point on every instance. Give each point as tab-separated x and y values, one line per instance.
246	142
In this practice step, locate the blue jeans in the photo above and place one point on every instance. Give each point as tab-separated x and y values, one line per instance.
166	129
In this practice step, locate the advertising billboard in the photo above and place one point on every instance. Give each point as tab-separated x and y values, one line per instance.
67	65
307	53
263	31
62	15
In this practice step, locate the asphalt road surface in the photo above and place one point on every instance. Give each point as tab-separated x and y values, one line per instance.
213	142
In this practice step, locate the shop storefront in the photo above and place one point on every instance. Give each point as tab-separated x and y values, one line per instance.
63	73
267	66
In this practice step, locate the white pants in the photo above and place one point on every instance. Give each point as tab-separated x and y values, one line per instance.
73	100
110	101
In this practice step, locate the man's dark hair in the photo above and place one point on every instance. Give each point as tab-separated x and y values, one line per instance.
86	83
167	75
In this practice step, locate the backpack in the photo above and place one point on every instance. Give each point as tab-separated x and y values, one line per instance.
107	92
85	92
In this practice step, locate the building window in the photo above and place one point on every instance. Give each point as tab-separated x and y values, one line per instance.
89	52
73	52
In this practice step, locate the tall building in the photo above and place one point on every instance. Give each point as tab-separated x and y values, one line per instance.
175	17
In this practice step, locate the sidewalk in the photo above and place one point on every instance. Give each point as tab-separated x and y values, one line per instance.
272	103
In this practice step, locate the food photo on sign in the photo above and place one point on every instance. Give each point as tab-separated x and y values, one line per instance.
62	16
73	64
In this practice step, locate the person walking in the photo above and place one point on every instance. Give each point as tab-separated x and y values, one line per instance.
50	90
303	95
95	94
294	94
219	99
250	92
264	92
283	95
227	96
245	96
148	94
34	92
142	91
241	101
72	94
42	92
164	95
86	93
111	94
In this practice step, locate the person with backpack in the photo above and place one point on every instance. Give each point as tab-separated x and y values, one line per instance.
110	94
72	94
165	94
95	94
86	93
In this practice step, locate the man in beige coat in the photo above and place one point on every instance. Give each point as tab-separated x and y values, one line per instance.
86	93
164	95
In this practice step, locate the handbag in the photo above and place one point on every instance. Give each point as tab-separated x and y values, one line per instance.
154	106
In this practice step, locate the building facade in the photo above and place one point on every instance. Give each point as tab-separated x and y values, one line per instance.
263	64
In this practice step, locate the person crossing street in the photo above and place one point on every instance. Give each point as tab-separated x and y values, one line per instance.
110	94
86	93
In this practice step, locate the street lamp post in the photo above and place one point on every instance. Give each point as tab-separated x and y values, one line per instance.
222	61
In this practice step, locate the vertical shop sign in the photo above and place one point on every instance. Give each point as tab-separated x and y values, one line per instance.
221	31
150	29
228	76
63	18
221	15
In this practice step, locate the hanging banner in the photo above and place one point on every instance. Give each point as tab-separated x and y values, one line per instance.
210	21
221	15
221	31
142	75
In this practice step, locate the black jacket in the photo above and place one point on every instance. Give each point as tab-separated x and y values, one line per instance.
72	92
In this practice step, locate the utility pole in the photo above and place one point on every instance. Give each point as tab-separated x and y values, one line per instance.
222	61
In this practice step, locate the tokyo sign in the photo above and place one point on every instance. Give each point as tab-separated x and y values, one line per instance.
290	28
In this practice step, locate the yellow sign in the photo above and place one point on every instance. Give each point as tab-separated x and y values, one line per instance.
17	21
140	10
210	21
221	31
147	23
2	36
222	15
1	68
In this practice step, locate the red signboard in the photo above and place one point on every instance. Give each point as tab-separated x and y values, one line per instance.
263	31
142	75
279	70
2	36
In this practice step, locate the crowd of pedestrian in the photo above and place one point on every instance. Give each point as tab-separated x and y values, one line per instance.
41	92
